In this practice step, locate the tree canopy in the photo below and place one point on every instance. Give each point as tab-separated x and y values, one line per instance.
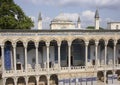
93	27
13	17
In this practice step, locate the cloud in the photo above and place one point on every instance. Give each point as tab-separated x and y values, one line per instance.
86	3
88	15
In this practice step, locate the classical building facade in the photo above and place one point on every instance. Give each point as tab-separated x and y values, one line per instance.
60	57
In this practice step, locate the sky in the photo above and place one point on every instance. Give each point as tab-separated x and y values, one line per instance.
109	10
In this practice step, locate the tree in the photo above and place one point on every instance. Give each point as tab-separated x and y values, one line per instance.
92	28
13	17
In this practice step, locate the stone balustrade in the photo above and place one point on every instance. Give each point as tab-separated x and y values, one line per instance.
62	69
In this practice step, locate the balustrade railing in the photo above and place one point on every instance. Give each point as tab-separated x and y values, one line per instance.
65	69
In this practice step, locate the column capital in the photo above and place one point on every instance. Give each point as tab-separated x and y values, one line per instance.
37	78
59	44
106	43
47	44
48	76
96	43
15	79
69	43
36	44
25	44
14	45
2	45
87	43
115	42
26	78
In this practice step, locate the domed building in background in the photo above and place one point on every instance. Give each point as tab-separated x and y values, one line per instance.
65	54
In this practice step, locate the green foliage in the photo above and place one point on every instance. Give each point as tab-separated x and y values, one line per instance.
93	28
12	16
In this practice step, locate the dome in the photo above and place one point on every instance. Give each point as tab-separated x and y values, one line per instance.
62	17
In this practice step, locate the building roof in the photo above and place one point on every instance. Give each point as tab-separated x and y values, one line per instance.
62	17
97	14
39	17
79	19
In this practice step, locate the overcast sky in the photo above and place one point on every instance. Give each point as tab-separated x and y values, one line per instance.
109	10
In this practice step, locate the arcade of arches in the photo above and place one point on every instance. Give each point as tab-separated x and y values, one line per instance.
32	55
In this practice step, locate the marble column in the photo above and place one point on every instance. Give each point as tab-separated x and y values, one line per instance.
4	81
48	80
96	54
26	80
59	59
14	51
2	58
15	81
25	48
36	47
47	44
106	43
115	42
37	80
86	53
105	77
69	55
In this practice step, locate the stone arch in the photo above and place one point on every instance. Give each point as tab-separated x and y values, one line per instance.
110	38
53	52
64	39
93	39
9	81
19	40
42	39
100	76
80	38
64	53
54	79
31	54
8	50
110	53
78	52
54	39
41	42
20	59
101	52
30	40
43	80
21	81
42	49
91	52
102	38
32	80
7	40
